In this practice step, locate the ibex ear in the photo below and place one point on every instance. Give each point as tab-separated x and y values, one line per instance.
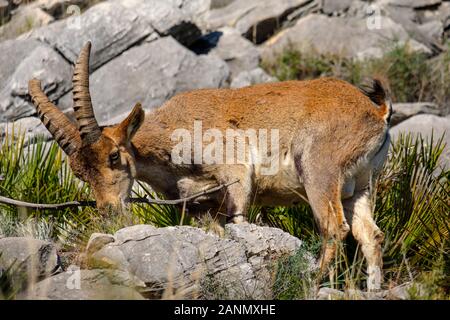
132	123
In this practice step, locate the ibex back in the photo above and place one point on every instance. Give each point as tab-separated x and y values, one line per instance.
332	143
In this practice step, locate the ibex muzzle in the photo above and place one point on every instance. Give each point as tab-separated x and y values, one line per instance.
332	143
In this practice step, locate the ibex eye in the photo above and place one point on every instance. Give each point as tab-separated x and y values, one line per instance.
114	156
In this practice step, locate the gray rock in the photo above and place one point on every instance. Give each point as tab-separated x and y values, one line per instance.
22	60
97	241
329	294
425	124
173	256
25	19
415	3
262	241
247	78
263	245
333	7
94	284
403	111
3	5
166	18
216	4
349	38
396	293
400	292
441	13
28	259
192	8
432	30
444	14
401	14
158	70
363	9
257	22
58	8
198	264
111	27
313	6
429	34
5	10
239	53
30	126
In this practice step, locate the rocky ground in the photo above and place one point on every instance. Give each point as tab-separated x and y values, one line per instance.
150	50
144	262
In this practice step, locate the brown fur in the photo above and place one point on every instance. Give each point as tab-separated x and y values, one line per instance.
333	142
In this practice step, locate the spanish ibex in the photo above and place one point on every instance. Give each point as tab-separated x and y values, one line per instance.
332	143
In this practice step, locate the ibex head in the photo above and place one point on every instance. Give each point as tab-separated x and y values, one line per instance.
102	158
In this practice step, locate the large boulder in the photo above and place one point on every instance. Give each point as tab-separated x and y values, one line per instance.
27	259
333	7
25	19
216	4
401	292
22	60
429	33
344	37
198	264
417	4
76	284
426	125
166	18
111	27
192	8
61	8
4	10
239	53
263	246
251	77
403	111
150	73
254	19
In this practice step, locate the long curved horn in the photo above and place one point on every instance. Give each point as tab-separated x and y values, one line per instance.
56	122
88	126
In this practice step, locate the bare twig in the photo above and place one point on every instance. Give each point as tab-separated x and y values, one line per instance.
70	204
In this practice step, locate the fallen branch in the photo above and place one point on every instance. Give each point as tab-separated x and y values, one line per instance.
71	204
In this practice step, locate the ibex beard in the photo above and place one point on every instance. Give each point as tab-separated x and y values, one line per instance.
331	143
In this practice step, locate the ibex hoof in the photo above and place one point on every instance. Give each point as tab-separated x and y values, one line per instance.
374	278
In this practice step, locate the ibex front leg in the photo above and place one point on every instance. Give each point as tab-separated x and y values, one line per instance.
324	195
238	195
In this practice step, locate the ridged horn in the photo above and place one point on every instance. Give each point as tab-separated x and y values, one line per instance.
82	103
62	129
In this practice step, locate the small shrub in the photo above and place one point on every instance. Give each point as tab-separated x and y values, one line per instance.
433	284
294	277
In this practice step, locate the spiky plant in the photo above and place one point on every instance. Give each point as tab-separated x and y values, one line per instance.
413	203
155	214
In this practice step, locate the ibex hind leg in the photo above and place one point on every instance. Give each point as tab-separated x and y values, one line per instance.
324	189
359	211
360	215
